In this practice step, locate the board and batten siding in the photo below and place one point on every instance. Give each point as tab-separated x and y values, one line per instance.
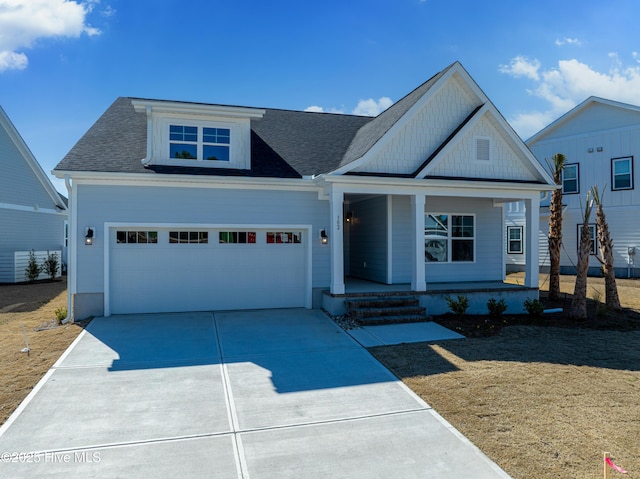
621	207
488	241
192	206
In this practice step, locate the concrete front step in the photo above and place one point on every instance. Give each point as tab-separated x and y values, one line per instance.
381	302
375	320
358	313
386	310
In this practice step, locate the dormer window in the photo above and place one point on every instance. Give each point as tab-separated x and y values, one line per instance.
199	143
197	135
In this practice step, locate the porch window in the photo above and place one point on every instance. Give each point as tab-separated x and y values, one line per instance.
514	240
449	238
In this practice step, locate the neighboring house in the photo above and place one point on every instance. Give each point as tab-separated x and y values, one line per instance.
191	206
601	142
32	214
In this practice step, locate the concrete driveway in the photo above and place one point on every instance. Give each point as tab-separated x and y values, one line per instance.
259	394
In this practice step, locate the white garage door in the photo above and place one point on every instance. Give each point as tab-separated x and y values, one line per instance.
201	269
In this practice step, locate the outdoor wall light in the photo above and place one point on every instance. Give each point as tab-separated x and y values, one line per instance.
88	236
324	239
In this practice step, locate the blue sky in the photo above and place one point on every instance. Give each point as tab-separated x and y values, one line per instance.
63	62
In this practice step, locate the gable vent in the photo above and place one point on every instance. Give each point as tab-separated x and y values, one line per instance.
483	149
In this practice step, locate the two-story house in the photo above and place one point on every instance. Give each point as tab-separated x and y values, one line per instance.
180	206
601	142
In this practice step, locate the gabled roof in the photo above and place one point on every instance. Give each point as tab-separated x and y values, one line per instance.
26	153
373	131
576	111
284	143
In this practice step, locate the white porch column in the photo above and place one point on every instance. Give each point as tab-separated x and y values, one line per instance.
532	247
336	200
418	281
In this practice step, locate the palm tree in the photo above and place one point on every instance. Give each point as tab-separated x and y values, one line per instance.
555	226
606	253
578	308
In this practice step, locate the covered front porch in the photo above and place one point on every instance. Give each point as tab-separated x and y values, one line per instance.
433	299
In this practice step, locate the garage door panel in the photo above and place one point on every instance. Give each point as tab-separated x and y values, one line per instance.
196	277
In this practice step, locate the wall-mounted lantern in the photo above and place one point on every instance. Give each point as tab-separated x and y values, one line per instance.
324	239
89	235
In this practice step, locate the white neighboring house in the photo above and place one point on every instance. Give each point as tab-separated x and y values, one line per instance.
180	206
601	142
33	215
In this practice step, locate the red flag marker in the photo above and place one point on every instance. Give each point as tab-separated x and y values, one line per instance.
613	466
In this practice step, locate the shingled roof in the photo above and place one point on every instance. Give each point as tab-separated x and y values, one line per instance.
284	143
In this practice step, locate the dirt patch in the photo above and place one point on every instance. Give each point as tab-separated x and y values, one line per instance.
24	297
19	371
542	398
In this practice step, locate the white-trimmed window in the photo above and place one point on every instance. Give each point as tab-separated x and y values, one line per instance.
188	142
593	230
136	237
514	240
483	148
571	179
622	173
449	238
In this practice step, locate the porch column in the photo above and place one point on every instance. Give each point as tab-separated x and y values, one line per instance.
418	282
532	246
336	199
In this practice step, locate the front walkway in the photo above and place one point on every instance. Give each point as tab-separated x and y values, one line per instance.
260	394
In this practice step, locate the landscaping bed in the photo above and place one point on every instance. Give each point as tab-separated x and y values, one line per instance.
542	397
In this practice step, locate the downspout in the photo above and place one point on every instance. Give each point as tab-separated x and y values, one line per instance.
70	253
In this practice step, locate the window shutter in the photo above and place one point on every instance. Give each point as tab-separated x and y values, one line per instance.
483	149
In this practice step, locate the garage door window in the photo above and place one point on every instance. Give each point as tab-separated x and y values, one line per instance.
136	237
284	237
186	237
237	237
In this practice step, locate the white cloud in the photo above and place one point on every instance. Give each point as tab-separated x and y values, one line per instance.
368	107
23	22
521	67
13	61
569	41
372	107
570	83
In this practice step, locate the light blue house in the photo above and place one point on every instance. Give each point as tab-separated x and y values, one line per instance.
178	206
33	215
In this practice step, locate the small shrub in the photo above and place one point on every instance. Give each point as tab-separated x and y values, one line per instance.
458	306
50	265
496	308
601	308
33	269
534	307
61	313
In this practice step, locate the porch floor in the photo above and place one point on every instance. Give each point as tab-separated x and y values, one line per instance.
357	286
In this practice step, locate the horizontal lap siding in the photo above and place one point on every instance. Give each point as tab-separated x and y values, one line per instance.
155	205
18	182
488	241
24	231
